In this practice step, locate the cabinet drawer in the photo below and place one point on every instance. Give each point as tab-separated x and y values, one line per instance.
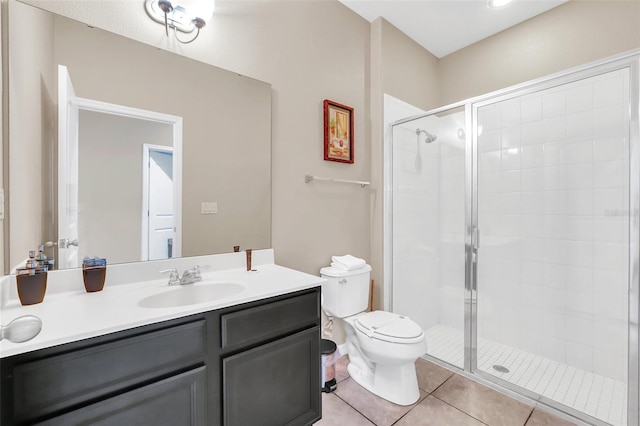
177	400
253	325
44	386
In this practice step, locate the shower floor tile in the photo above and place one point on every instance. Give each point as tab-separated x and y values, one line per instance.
595	395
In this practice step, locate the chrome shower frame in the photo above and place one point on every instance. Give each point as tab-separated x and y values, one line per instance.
628	60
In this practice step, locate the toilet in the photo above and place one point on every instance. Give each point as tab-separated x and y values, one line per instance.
382	346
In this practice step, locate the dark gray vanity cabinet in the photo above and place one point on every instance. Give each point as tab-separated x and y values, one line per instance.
256	363
81	380
270	363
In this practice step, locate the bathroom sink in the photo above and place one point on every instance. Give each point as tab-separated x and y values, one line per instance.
191	294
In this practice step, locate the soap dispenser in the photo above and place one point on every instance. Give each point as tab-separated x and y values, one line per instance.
31	280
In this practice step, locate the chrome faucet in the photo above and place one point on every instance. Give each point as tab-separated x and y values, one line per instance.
189	276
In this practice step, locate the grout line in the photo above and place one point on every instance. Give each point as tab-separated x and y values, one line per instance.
441	384
458	409
468	414
409	410
354	408
529	416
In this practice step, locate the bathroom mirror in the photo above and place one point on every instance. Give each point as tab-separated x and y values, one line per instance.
225	150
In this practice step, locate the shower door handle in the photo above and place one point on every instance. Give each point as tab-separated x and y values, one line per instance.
475	242
472	279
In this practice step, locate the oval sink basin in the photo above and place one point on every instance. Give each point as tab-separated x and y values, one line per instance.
191	294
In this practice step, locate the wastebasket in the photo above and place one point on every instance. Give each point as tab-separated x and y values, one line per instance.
328	352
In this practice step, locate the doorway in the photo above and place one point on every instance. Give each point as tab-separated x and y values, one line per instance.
158	222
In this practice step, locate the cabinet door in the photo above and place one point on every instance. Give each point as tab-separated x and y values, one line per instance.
177	400
274	384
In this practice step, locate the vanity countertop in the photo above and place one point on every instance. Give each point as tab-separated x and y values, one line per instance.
75	315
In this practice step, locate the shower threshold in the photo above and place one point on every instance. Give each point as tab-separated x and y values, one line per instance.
592	394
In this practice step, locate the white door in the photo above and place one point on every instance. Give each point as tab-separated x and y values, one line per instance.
68	119
161	220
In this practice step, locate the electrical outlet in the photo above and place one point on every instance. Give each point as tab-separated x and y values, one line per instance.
209	207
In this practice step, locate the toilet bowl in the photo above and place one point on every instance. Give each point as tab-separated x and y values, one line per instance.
382	346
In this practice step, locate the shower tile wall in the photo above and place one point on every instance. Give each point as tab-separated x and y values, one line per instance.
428	223
452	221
553	215
415	228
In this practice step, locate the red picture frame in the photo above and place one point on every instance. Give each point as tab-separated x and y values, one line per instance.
338	132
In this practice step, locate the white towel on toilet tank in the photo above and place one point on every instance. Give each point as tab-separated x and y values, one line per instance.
347	262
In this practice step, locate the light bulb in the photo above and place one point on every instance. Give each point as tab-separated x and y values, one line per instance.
202	9
494	4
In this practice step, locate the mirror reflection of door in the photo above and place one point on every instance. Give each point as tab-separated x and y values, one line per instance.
100	149
114	197
159	193
68	123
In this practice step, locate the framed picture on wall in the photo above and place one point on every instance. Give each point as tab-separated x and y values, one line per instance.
338	132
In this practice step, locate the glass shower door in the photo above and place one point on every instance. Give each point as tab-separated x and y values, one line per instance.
553	216
428	247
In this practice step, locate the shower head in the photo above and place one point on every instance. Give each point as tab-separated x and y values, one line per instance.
428	136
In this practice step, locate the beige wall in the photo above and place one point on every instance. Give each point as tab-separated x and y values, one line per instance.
409	72
572	34
34	140
311	51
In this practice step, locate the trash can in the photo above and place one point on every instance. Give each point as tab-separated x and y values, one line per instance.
328	352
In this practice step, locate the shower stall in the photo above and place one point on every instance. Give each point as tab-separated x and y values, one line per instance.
514	237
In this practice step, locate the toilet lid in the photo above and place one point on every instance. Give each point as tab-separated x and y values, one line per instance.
389	327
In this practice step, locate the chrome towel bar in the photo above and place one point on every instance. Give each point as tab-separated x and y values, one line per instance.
310	178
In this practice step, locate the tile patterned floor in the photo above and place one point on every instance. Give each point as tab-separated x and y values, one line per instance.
595	395
446	399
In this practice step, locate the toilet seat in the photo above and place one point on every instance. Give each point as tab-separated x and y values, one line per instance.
389	327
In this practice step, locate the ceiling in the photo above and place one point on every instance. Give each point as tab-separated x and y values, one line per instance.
444	26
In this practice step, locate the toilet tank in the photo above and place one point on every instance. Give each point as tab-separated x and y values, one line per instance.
345	293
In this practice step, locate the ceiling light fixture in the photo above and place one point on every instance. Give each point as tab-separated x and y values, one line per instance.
185	16
495	4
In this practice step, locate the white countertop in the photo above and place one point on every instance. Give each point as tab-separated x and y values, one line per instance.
74	315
